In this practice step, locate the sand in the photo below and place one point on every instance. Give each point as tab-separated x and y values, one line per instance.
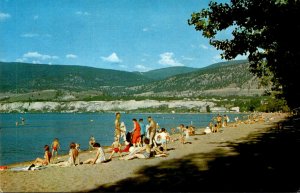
86	177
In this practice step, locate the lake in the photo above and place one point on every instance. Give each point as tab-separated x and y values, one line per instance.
25	142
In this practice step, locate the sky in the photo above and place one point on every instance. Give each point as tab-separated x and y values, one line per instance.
127	35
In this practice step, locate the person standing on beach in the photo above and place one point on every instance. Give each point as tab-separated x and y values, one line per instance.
123	131
143	130
92	141
55	146
118	126
152	131
219	121
225	118
136	133
182	133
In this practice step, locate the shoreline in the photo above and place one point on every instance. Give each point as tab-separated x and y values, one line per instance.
91	177
65	150
106	148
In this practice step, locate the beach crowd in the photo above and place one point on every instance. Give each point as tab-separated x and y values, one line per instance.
142	141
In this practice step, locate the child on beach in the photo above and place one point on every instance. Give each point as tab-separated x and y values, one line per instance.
207	130
55	146
187	134
47	157
100	156
73	159
92	141
182	130
126	148
116	148
215	129
123	131
164	137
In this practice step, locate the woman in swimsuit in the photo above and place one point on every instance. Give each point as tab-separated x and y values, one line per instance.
100	155
143	153
47	157
136	133
73	159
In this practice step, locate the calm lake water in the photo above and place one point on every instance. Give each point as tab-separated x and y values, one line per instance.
26	142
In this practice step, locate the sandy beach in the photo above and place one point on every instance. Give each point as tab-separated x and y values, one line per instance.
188	167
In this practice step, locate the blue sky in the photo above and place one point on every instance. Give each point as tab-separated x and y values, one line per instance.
130	35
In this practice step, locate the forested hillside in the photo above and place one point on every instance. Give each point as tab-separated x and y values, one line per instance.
24	77
223	77
56	82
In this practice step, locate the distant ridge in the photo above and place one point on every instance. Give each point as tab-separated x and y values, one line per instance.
163	73
27	77
227	63
62	82
220	79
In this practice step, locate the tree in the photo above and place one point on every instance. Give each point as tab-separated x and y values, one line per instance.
208	109
265	30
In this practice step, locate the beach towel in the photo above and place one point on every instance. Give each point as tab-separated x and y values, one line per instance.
27	168
3	168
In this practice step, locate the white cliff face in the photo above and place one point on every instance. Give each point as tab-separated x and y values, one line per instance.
97	106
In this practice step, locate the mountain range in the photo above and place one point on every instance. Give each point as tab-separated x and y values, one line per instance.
225	78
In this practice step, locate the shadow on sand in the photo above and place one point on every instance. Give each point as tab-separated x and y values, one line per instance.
265	162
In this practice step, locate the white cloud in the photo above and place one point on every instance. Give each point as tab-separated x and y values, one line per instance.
167	59
242	57
4	16
142	68
113	58
203	46
29	35
145	29
37	55
71	56
84	13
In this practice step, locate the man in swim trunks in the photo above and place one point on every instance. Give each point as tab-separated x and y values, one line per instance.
118	126
152	131
219	121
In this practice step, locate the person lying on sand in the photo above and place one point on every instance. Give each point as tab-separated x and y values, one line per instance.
142	153
159	152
